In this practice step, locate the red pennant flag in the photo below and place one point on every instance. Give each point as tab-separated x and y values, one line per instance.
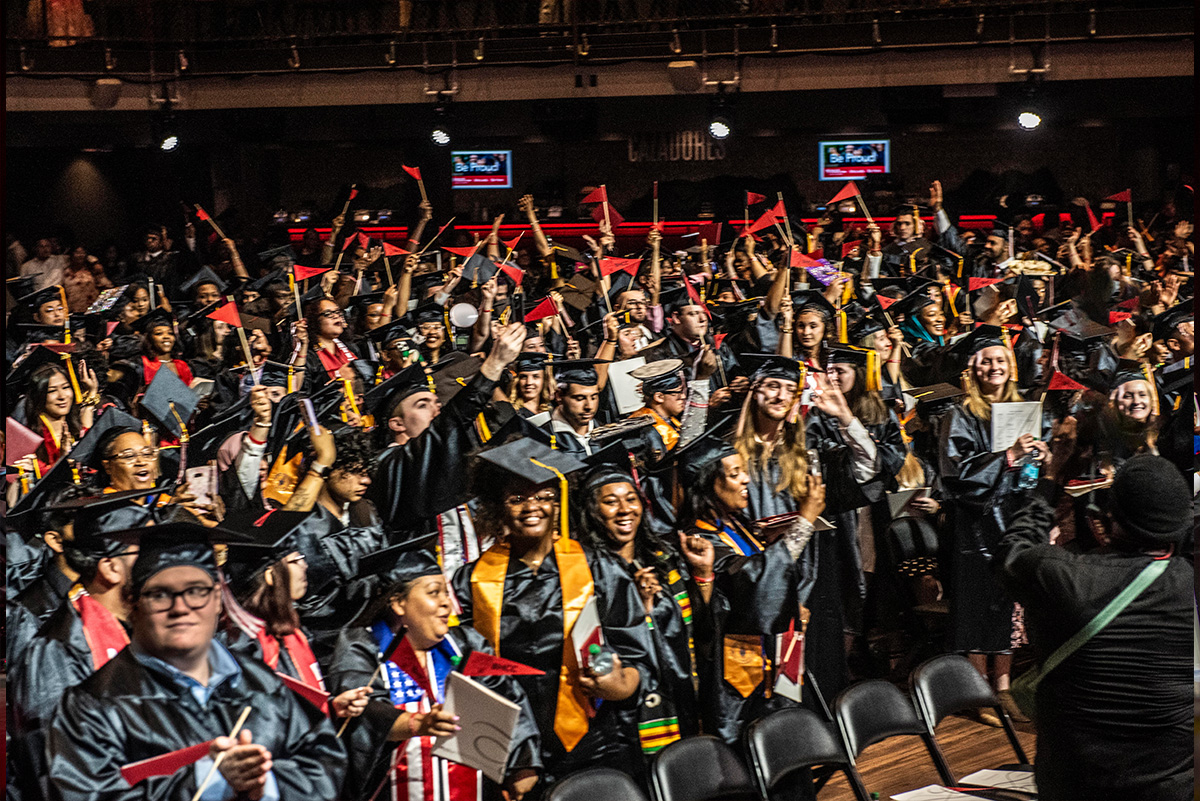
364	240
1092	221
514	273
1060	381
481	664
353	193
695	296
348	241
301	272
711	233
773	215
466	253
541	311
717	340
165	765
803	260
19	441
1039	221
1116	317
819	253
227	314
1129	303
614	216
884	301
597	195
405	658
979	283
513	244
848	191
749	233
1122	197
754	197
848	247
610	265
414	172
201	214
109	328
391	250
314	695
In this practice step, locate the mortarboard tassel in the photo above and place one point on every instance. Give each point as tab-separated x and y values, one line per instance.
71	374
564	515
874	378
1154	407
842	327
62	294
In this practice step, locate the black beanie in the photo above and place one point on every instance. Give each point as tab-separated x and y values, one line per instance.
1152	501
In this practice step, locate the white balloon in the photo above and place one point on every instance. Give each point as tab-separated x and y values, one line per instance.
463	315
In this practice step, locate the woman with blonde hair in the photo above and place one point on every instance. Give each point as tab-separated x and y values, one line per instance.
531	392
984	490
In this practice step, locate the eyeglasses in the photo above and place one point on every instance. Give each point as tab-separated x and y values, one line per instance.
297	559
332	314
164	600
130	455
544	498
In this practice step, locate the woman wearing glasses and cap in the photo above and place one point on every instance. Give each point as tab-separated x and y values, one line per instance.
401	651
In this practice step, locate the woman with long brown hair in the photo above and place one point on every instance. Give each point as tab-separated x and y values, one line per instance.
52	411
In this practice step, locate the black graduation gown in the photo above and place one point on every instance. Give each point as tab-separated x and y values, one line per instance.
23	562
531	632
57	658
673	346
981	499
754	597
355	660
929	363
127	711
39	600
426	476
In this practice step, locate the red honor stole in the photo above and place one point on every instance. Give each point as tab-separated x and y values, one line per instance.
105	635
299	652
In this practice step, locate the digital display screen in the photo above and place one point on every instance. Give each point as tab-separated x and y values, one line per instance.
481	169
854	160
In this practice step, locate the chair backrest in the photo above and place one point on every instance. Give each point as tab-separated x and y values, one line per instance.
790	740
872	711
910	538
589	785
700	768
947	684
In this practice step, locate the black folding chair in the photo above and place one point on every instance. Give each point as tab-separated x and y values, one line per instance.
872	711
786	743
948	684
700	768
597	783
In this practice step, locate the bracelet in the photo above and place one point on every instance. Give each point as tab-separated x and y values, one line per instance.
90	399
319	470
485	311
702	582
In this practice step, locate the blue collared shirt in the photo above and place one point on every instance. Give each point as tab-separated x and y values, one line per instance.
222	668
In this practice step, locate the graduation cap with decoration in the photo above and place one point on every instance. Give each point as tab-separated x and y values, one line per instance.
664	375
933	399
31	360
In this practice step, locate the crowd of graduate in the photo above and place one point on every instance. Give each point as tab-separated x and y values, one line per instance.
314	483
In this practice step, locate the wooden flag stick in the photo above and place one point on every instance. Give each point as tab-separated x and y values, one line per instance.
655	204
421	186
787	222
607	221
435	236
514	247
296	292
862	204
1129	210
210	221
370	681
388	267
237	728
346	205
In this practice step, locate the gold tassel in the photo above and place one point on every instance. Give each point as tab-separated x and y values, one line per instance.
74	381
842	327
62	294
874	378
1154	407
349	385
183	432
564	516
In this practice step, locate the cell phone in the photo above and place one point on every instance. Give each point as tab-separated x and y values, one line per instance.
203	483
310	414
814	462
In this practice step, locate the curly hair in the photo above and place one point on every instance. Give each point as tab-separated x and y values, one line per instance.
354	452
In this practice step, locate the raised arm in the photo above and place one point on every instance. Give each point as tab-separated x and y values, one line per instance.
525	204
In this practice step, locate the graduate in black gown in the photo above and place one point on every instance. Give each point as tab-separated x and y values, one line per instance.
174	687
755	593
527	593
406	694
984	489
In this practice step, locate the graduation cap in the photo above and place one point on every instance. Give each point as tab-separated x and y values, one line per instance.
531	461
282	256
772	365
453	372
101	514
984	336
423	282
1081	328
152	319
867	358
911	303
167	390
530	362
664	375
738	286
398	329
579	291
1164	324
1176	376
22	369
34	300
269	538
577	371
19	286
933	399
565	254
204	275
734	317
111	423
427	311
380	400
811	300
692	459
33	503
1129	372
402	563
865	327
36	333
175	545
260	284
479	269
676	299
360	302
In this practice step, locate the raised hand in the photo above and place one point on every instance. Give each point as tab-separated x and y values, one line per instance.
935	196
245	765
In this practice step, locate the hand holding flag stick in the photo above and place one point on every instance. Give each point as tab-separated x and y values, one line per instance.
237	728
229	314
385	657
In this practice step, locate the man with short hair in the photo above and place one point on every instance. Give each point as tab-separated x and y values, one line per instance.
175	687
46	267
576	402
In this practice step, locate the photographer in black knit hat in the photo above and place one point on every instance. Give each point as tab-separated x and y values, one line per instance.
1112	712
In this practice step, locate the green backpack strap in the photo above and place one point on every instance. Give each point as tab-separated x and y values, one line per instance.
1117	605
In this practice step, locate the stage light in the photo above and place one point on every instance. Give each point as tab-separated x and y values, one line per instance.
1029	120
440	135
169	143
719	128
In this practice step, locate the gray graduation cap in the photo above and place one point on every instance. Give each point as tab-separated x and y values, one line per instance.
165	391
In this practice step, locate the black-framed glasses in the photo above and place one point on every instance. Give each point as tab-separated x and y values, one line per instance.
332	314
196	597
